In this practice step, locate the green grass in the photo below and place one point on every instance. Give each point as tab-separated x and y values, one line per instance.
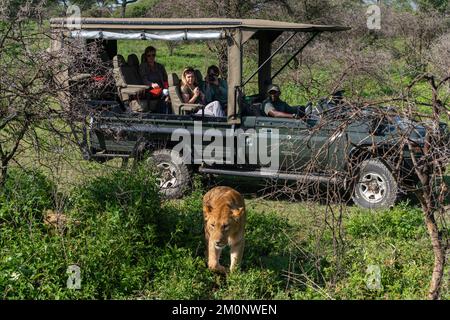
193	54
129	245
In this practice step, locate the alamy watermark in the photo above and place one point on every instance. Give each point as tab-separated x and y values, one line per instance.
74	279
227	146
373	279
373	17
73	19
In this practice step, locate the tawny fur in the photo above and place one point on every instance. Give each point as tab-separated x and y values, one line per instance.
224	222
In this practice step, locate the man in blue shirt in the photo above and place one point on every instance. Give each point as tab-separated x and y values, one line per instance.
273	106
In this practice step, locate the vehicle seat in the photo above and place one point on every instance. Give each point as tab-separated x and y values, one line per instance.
133	63
176	99
253	110
124	78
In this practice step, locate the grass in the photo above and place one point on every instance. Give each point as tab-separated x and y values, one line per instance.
194	54
129	245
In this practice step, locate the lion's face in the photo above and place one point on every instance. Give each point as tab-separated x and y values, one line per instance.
221	222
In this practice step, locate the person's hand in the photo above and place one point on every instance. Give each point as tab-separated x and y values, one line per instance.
155	85
197	91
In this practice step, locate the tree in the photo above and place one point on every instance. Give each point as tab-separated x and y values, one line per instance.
429	5
123	4
29	93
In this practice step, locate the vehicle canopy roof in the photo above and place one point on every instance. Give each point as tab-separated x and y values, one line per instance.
162	24
236	31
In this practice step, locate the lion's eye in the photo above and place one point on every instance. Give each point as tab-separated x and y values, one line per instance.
225	226
212	225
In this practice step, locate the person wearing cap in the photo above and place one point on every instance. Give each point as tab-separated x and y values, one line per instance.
273	106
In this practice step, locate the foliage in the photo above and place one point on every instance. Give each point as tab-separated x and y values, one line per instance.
402	222
127	245
24	196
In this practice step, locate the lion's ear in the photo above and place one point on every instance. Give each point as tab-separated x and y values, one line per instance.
206	210
237	213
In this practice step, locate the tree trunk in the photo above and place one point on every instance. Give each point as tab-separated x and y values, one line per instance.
124	8
439	254
3	175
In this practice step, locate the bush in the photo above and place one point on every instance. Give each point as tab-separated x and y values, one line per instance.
129	192
266	240
179	275
251	284
113	244
181	222
25	196
402	222
404	269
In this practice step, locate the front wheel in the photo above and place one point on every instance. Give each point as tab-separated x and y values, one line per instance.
375	187
172	175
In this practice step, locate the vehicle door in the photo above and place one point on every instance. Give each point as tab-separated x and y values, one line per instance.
281	144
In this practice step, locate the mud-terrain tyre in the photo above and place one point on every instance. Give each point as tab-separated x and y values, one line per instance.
375	186
173	176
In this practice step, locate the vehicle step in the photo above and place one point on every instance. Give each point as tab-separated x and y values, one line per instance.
110	155
272	175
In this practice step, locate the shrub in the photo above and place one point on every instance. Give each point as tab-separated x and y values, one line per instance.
402	222
25	196
130	192
266	240
251	284
181	276
113	244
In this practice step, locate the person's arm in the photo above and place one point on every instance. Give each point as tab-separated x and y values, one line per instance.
186	95
270	111
280	114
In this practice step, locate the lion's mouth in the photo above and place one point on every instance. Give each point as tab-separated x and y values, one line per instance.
220	246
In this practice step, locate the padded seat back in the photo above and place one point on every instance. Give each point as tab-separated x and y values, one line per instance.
118	64
133	70
128	83
175	92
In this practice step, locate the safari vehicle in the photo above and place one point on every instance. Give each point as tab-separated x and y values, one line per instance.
337	152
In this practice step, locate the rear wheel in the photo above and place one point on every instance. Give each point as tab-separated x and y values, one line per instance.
172	175
375	187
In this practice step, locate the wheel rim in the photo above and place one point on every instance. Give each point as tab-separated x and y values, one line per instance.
167	177
372	187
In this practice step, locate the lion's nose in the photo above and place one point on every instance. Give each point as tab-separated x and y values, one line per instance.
219	244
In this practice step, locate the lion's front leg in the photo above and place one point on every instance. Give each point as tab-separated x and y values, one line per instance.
214	258
236	253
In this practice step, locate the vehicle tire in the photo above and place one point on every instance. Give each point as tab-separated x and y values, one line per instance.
375	186
173	176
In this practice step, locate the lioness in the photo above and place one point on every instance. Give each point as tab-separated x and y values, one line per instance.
224	215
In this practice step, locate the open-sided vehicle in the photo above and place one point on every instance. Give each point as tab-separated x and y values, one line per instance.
243	143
